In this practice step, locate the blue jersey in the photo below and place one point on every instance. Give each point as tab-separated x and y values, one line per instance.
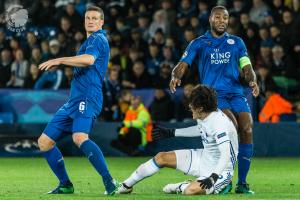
218	61
87	81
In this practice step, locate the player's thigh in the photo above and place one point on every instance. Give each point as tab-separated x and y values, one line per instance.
166	159
245	127
239	103
60	124
188	161
223	103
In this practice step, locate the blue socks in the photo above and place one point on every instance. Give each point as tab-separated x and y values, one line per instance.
95	156
57	164
244	160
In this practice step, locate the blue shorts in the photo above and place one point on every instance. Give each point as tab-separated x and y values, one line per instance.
72	117
235	102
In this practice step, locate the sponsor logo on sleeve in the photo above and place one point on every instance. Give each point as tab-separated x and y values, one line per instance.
221	135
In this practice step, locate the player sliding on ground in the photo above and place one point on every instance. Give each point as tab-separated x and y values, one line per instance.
84	105
213	166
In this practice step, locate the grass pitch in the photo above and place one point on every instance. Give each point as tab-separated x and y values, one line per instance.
31	178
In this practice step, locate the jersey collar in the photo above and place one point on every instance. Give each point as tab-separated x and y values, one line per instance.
101	31
209	35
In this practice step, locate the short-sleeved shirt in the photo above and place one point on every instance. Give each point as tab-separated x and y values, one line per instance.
87	81
218	61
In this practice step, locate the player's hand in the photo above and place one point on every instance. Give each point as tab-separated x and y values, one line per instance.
255	88
209	182
159	133
174	83
49	64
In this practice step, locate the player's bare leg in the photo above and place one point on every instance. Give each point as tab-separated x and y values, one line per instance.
56	163
245	151
149	168
231	116
95	156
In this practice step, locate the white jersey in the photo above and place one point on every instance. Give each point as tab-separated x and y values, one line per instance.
216	129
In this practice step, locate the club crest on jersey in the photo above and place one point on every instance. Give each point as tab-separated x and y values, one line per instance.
230	41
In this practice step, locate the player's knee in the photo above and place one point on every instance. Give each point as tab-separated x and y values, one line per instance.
78	139
160	159
245	133
45	143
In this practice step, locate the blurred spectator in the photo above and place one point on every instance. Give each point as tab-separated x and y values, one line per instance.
277	9
36	56
14	45
43	13
275	106
19	70
178	29
265	38
286	26
252	41
159	38
257	11
124	103
189	35
153	60
136	40
182	109
138	78
159	22
238	7
75	18
265	57
67	78
203	15
54	47
168	57
45	50
162	106
34	75
66	45
143	26
187	8
167	6
282	65
277	37
32	41
268	19
135	132
164	77
122	28
66	27
266	85
195	24
4	43
111	94
5	67
51	79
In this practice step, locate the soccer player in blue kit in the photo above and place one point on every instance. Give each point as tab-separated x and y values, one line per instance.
218	56
84	105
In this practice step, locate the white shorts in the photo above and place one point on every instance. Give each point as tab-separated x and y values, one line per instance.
193	162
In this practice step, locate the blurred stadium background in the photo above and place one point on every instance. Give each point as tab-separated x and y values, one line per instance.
147	38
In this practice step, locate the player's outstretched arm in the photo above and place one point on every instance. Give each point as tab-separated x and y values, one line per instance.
250	78
76	61
159	133
177	74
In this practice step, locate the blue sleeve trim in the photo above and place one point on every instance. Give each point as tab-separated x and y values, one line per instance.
155	163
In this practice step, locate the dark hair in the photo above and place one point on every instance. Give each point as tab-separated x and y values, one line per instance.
96	8
205	97
217	8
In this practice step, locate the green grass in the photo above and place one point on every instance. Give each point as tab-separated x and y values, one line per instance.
30	179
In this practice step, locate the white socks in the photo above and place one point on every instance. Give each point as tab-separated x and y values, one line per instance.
144	170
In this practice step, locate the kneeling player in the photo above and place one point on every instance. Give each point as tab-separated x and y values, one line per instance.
213	166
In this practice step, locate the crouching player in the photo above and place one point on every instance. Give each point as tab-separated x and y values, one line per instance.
212	166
